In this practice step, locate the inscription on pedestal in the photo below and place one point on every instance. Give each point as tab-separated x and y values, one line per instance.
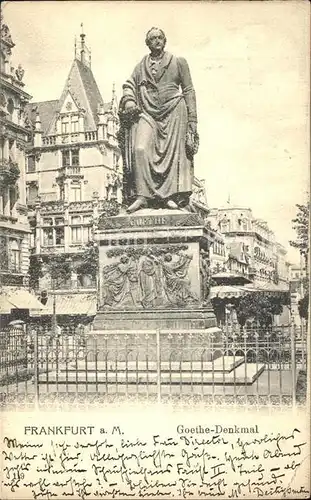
180	219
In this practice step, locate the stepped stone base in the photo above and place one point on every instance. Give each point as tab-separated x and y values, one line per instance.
187	319
225	371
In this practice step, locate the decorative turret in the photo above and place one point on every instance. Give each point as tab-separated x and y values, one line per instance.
38	132
82	52
101	122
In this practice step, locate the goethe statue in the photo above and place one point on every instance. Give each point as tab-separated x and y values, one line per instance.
158	134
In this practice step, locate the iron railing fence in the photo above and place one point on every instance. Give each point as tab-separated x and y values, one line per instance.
235	367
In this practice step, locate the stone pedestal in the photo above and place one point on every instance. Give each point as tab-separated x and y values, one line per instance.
153	272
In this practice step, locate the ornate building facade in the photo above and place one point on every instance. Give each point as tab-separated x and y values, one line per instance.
252	243
73	166
14	138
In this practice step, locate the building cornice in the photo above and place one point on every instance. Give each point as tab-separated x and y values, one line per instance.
72	145
14	88
10	125
249	233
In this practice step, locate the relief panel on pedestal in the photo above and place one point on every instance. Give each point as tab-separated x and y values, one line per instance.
149	277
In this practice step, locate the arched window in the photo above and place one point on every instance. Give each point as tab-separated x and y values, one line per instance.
10	107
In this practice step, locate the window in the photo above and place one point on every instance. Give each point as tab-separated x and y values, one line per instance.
47	221
47	236
70	157
31	164
76	234
66	158
74	124
32	192
75	192
55	233
75	219
65	126
87	234
81	230
15	259
59	236
75	157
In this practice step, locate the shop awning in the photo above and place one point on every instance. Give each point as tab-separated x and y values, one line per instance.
227	291
73	304
20	298
5	305
267	287
231	276
231	291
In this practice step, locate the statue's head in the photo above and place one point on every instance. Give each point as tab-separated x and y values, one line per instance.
124	258
168	257
155	39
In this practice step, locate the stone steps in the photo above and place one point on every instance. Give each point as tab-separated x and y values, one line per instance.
240	374
222	364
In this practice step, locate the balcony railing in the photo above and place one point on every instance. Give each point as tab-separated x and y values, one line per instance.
8	218
49	140
91	136
70	171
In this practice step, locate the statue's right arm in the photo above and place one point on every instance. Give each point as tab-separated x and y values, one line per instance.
129	98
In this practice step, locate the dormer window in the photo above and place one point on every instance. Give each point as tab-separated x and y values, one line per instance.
70	124
74	124
65	125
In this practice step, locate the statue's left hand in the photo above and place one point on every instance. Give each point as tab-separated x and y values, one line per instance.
192	141
192	127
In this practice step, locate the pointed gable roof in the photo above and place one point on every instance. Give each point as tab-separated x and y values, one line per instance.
83	88
46	111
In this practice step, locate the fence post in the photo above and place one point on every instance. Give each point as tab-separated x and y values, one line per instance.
293	359
158	333
303	341
36	367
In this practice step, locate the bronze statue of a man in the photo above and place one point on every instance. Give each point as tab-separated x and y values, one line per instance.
159	122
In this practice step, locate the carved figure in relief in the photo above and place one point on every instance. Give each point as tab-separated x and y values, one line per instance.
119	282
19	72
175	279
205	274
149	280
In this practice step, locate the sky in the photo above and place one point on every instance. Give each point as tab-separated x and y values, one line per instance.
250	68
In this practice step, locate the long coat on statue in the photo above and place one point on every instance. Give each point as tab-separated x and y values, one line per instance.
157	165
